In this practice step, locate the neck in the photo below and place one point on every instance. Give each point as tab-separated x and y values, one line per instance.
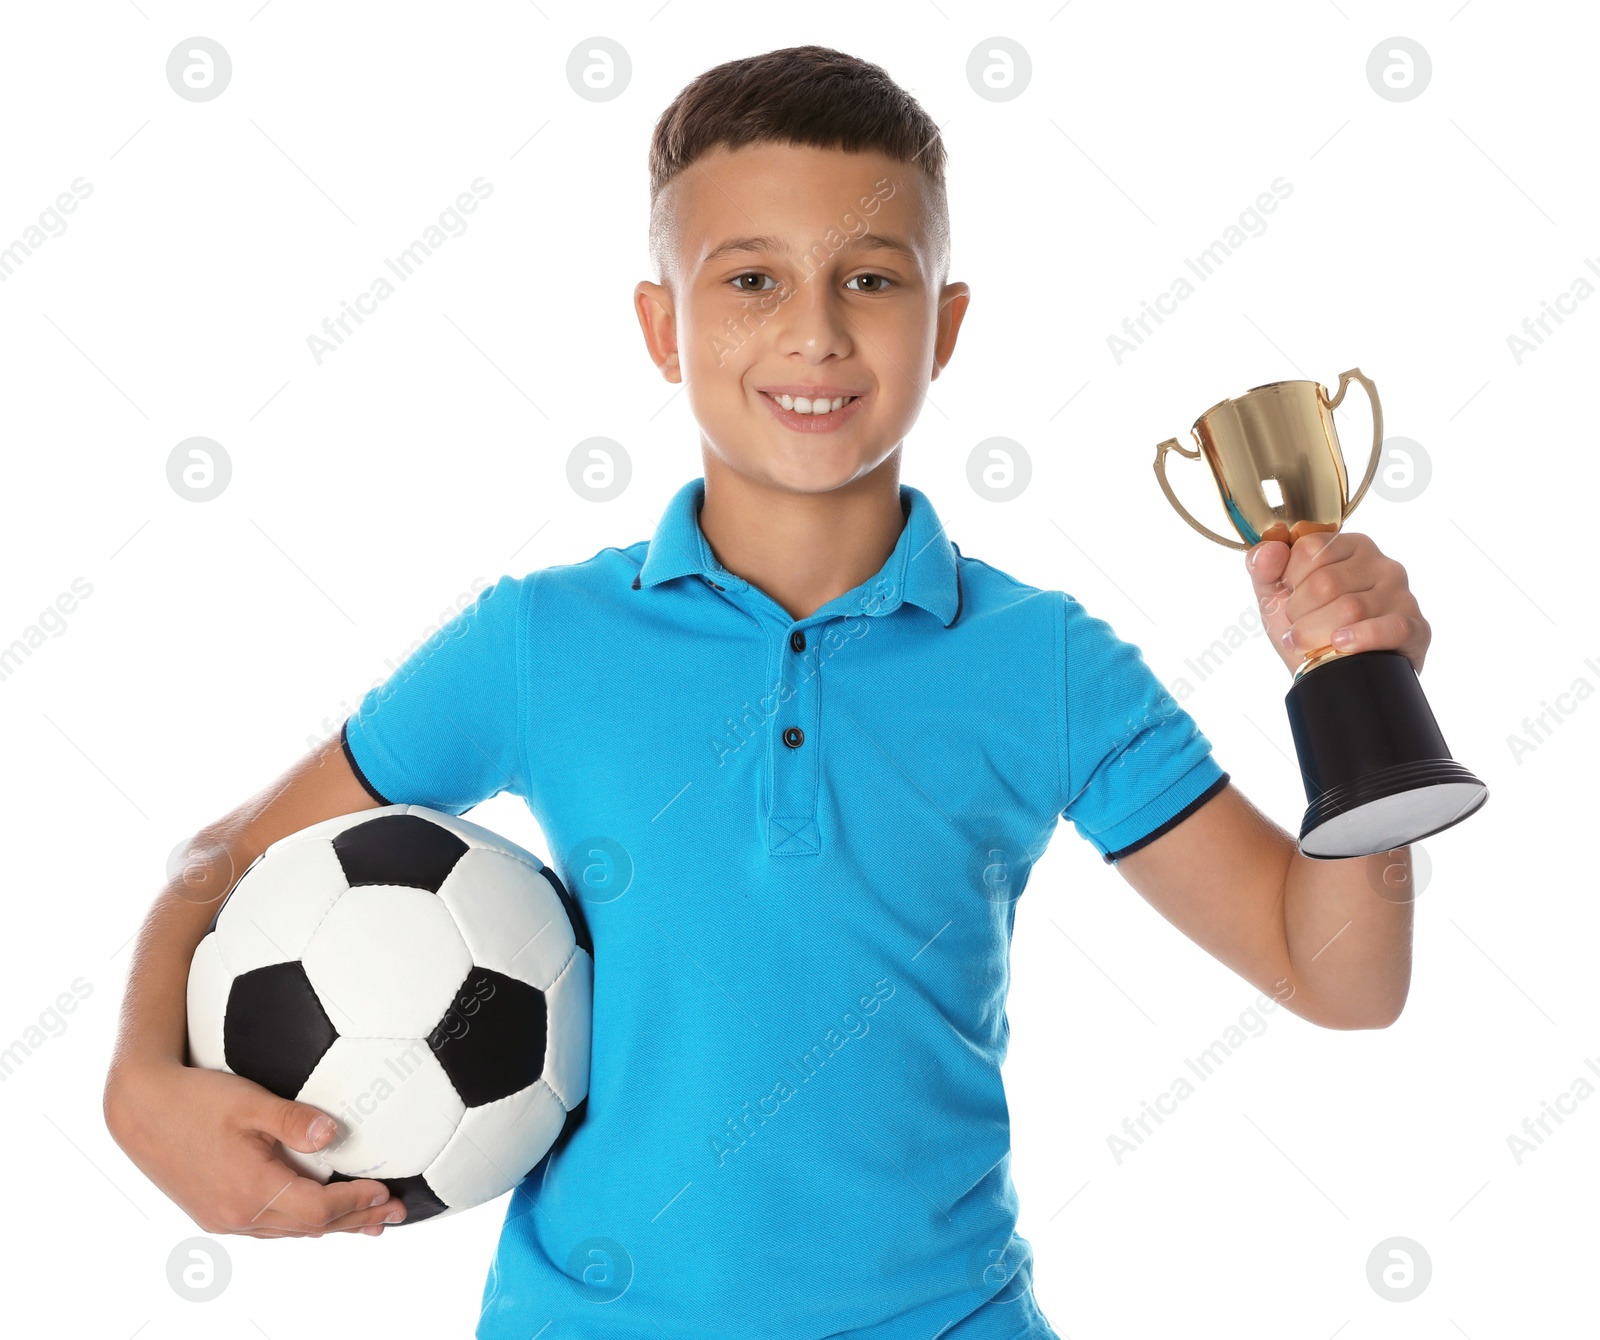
802	549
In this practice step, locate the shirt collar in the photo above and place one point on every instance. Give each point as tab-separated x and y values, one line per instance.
922	568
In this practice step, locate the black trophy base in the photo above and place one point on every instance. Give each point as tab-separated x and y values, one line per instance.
1377	771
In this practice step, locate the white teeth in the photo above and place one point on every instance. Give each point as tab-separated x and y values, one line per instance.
800	405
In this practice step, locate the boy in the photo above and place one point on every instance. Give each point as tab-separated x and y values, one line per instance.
796	755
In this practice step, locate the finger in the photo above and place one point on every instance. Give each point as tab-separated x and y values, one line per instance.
1385	632
300	1126
1319	549
1313	551
1266	562
305	1205
1323	588
273	1224
354	1223
1345	628
369	1222
1315	630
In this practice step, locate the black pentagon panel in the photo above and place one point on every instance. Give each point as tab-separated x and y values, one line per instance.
491	1040
414	1193
275	1029
580	927
403	849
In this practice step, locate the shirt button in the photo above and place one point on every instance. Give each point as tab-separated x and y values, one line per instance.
797	640
794	737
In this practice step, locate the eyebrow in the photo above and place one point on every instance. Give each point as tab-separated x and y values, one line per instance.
765	242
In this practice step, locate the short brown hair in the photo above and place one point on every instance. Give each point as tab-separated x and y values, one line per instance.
808	95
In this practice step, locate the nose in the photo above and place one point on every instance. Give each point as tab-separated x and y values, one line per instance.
813	322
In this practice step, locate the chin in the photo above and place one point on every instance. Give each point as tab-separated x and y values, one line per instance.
820	473
771	457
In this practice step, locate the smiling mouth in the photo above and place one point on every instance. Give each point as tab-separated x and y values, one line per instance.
792	404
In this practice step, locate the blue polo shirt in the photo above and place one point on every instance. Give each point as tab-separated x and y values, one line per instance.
798	846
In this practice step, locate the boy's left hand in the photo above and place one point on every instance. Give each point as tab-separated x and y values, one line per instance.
1330	582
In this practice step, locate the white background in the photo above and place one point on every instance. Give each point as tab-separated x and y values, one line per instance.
373	492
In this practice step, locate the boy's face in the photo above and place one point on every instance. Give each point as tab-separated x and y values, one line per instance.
818	303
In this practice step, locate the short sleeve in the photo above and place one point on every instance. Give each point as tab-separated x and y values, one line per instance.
1134	763
444	730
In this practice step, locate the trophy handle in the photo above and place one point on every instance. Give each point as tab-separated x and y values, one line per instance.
1345	378
1173	444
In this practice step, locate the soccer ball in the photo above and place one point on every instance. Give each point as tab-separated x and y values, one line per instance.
423	981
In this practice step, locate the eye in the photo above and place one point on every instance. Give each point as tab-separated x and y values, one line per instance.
879	287
749	274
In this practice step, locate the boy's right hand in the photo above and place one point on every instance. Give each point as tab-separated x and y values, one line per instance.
209	1140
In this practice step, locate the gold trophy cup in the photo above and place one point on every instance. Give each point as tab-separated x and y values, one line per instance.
1377	772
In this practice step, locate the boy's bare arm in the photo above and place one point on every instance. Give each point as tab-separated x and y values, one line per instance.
1330	939
1315	934
206	1138
319	786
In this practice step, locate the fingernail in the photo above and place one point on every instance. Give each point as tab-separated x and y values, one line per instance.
395	1215
1342	637
372	1230
383	1195
321	1127
1287	639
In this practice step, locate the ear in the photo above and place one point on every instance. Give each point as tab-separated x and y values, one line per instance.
652	304
953	300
